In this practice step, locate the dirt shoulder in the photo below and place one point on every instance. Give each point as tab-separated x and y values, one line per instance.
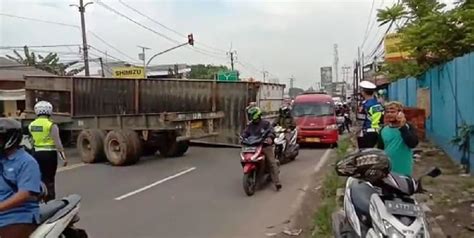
450	197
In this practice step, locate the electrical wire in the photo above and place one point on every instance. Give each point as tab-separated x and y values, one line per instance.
111	46
166	27
136	22
61	24
369	20
39	20
37	46
202	51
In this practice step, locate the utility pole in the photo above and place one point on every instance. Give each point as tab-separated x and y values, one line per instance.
82	10
142	57
265	73
292	79
336	63
102	67
232	56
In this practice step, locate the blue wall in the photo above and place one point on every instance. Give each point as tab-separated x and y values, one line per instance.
452	100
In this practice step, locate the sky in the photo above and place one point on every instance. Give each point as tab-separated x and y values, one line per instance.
286	38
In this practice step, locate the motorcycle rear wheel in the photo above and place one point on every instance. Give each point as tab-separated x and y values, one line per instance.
249	182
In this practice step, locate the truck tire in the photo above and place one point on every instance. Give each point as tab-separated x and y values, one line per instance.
168	148
149	149
90	145
183	147
135	141
121	148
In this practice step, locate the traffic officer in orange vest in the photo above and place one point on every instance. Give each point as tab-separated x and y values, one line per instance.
47	145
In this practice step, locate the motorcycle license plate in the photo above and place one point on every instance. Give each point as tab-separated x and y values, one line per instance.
314	140
403	209
249	149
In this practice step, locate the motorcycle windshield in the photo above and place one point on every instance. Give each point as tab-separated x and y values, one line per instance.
252	141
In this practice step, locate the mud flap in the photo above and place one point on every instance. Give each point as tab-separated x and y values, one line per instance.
249	167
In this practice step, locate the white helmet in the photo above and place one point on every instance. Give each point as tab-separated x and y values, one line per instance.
367	85
43	108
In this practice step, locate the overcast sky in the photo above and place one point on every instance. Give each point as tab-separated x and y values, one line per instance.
292	37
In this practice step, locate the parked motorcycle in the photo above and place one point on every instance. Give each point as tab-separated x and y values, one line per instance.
285	150
253	162
381	208
57	219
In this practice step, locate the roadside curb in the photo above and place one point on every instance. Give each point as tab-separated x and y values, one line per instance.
305	193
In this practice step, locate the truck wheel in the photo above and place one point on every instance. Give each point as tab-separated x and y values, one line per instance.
121	148
149	149
183	147
168	148
90	144
135	141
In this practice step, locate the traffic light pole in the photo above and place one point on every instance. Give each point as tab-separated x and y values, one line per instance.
162	52
190	42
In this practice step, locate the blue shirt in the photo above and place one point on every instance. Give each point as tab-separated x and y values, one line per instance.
23	171
373	113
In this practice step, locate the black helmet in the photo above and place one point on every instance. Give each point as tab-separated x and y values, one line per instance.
285	110
11	134
368	164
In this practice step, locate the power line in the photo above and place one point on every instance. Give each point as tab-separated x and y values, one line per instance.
39	20
61	24
111	46
104	53
369	20
202	51
37	46
136	22
166	27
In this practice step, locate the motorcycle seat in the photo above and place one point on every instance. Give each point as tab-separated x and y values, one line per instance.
47	210
360	194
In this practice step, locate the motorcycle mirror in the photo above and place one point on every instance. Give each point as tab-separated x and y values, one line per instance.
434	172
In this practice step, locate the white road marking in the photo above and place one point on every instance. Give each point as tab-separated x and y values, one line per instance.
73	166
154	184
322	161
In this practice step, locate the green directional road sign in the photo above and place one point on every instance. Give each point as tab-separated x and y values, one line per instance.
228	76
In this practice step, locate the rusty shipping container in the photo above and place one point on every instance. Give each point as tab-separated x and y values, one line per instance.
85	96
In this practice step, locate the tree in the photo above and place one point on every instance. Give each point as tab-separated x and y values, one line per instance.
432	34
50	63
202	71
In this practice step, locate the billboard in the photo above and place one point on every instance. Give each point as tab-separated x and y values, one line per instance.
128	72
393	50
326	76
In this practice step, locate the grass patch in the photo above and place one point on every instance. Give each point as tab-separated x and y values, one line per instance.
322	218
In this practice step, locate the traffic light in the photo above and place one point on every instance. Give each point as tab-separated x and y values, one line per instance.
191	39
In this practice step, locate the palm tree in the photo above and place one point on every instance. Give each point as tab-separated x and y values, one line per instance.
49	63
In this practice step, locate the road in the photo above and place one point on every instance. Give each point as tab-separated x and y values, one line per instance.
198	195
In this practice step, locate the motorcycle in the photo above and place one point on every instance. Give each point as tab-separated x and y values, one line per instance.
382	209
253	162
285	151
57	219
341	123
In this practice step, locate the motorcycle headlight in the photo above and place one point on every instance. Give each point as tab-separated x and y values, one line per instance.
391	231
422	234
332	127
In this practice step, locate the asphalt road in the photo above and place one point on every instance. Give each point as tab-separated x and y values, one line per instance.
198	195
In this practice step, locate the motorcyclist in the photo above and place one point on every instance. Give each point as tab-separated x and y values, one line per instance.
20	184
47	144
371	112
257	127
286	121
